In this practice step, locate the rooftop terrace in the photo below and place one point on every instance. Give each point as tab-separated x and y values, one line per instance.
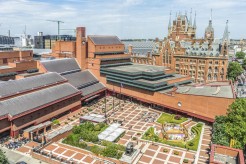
147	77
217	89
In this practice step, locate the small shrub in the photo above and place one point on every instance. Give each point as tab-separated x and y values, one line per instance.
138	134
191	144
56	122
97	127
134	138
177	117
165	150
89	109
82	145
74	116
66	122
176	153
185	160
199	125
96	150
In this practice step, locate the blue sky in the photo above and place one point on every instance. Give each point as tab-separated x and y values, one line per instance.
124	18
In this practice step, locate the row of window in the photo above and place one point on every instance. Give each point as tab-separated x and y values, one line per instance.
109	47
200	61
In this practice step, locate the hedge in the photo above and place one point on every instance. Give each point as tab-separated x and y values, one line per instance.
193	144
171	118
88	132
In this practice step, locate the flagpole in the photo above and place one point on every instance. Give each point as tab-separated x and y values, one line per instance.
113	97
120	94
105	110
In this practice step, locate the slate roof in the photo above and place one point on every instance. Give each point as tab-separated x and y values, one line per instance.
81	79
29	83
203	50
92	88
27	102
207	90
140	47
104	40
61	66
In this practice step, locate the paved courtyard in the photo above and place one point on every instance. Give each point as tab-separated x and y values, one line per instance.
68	154
136	119
27	147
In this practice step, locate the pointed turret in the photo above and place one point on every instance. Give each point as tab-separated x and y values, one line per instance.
226	33
170	24
190	21
211	14
194	24
209	31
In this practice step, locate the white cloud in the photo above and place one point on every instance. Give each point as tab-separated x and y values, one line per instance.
125	18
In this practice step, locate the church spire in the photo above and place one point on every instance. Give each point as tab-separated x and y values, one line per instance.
194	24
170	24
211	15
190	21
226	33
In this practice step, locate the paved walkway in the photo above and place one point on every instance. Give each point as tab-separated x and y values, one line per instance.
205	146
16	156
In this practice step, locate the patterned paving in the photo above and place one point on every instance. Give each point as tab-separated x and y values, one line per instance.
205	147
70	154
136	120
27	147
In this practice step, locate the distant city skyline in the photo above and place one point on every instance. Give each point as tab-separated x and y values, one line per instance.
125	18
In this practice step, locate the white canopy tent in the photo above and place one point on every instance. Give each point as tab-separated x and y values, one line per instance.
111	133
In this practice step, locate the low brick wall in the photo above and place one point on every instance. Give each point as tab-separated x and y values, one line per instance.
63	135
88	152
44	158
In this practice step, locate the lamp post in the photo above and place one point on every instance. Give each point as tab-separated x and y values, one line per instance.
113	98
105	110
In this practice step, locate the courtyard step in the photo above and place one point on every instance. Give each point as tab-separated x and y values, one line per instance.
186	122
190	124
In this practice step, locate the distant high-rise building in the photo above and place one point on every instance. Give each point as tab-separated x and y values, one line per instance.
47	41
6	43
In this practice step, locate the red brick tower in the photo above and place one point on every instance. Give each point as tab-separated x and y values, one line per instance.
81	46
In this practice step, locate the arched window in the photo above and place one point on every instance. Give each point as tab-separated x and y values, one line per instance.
209	69
215	77
222	71
216	69
209	76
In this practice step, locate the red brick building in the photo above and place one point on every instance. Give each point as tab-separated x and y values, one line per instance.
33	100
16	62
157	86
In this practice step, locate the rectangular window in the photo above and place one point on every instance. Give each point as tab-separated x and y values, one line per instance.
5	60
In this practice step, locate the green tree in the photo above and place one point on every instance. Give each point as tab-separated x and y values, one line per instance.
240	55
219	135
232	126
234	70
244	63
3	158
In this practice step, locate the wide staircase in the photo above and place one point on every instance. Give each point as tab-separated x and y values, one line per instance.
204	151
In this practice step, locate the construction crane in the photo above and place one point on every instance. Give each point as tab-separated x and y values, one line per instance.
58	23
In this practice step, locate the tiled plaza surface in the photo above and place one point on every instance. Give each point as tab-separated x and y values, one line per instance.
27	147
135	123
136	119
76	155
155	154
